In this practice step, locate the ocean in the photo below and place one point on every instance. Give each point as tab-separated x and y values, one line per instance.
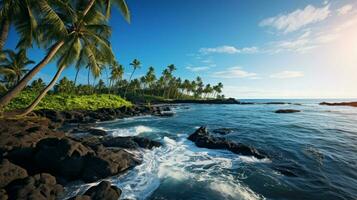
318	145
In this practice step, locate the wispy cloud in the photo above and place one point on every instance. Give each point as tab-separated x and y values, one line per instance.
226	49
287	74
345	9
297	19
235	72
198	69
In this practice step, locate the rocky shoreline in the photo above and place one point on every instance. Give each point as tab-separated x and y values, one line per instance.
37	160
353	104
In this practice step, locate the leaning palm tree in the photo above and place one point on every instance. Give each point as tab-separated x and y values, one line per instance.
14	64
53	31
136	65
87	40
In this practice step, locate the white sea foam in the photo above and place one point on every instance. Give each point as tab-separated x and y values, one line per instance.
179	161
132	131
252	159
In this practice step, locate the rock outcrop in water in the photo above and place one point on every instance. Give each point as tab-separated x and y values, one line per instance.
287	111
353	104
202	138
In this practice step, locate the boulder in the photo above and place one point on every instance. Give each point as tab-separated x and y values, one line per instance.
107	162
62	157
287	111
40	186
10	172
103	191
202	138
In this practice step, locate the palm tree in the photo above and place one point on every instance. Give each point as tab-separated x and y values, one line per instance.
19	13
136	65
13	65
88	41
150	78
116	74
53	28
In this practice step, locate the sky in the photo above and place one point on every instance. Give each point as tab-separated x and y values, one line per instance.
256	48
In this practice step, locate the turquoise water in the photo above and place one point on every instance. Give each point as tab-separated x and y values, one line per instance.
318	144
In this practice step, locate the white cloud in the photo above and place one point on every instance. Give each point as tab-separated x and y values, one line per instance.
226	49
198	69
345	9
297	19
287	74
235	72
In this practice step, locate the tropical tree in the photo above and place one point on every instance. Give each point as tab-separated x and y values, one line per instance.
116	74
54	31
86	40
64	86
150	77
37	85
13	65
136	65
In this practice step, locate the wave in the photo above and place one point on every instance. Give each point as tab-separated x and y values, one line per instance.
179	161
132	131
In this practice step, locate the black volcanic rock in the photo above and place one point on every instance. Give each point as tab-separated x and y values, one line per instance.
353	104
287	111
202	138
10	172
39	186
103	191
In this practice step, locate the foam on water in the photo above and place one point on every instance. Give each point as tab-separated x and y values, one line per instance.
179	161
132	131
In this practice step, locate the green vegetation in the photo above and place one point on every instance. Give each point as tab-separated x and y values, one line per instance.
68	102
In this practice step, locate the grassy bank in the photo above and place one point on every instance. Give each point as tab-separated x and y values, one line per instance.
69	102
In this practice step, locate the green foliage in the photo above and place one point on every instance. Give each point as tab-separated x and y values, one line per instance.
64	86
69	102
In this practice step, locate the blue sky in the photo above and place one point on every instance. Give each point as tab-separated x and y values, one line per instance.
257	49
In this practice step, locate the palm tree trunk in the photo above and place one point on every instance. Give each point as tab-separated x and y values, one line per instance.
4	32
43	93
126	89
75	78
22	84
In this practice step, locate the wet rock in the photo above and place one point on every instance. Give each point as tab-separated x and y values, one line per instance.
223	131
62	157
146	143
40	186
10	172
97	131
287	111
107	162
202	138
103	191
